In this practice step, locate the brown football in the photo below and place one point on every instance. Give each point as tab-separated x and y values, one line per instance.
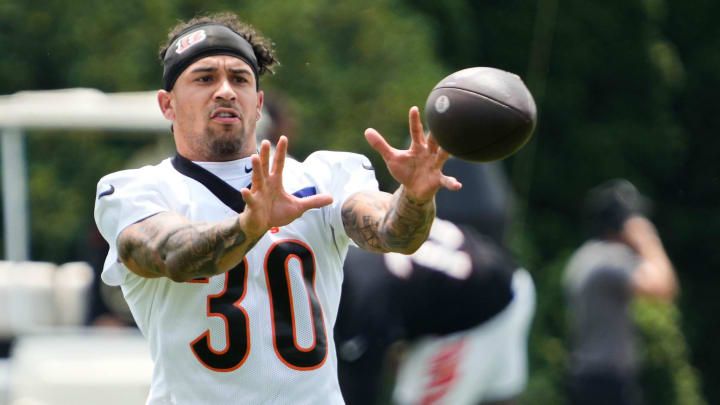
481	114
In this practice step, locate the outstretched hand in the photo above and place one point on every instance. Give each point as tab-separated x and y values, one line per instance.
419	168
267	202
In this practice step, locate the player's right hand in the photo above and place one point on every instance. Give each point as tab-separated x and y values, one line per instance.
267	203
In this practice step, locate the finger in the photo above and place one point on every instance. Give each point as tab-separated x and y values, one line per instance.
442	157
432	143
280	153
315	201
265	156
379	144
257	176
450	183
416	128
246	196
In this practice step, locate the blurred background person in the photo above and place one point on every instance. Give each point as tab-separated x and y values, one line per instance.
623	258
460	302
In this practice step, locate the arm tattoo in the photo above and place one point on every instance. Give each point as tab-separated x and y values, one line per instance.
408	221
361	215
168	245
383	223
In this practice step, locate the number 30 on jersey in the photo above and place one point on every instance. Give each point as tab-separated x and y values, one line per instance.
227	305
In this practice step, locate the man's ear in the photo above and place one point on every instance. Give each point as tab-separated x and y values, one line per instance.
166	106
259	104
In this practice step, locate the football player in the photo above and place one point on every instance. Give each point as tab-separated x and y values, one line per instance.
230	261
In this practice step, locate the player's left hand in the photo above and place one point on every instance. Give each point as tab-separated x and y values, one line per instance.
419	168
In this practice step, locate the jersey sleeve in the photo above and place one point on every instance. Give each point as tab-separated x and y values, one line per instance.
122	199
341	174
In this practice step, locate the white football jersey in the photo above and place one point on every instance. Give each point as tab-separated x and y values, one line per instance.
262	333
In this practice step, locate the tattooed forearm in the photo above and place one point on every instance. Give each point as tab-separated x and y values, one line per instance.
168	245
381	222
361	217
407	222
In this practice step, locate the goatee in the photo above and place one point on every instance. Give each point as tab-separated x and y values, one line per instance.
224	146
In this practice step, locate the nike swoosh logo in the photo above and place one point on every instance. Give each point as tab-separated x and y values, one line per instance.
368	166
106	192
248	170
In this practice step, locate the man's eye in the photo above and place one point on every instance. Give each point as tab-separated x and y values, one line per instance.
203	79
240	79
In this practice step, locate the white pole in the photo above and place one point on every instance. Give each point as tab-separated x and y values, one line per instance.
14	187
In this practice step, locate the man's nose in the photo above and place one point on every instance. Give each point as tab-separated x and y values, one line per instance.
225	91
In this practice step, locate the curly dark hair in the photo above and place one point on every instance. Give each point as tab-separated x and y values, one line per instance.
264	48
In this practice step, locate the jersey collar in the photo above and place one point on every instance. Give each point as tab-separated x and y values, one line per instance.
223	191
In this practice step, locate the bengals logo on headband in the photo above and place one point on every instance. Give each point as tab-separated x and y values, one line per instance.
189	40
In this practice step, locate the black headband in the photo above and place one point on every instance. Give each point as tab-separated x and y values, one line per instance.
204	40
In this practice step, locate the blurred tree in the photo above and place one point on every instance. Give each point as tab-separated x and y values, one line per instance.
666	376
90	43
691	192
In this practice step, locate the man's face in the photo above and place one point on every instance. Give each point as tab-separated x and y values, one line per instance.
214	106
